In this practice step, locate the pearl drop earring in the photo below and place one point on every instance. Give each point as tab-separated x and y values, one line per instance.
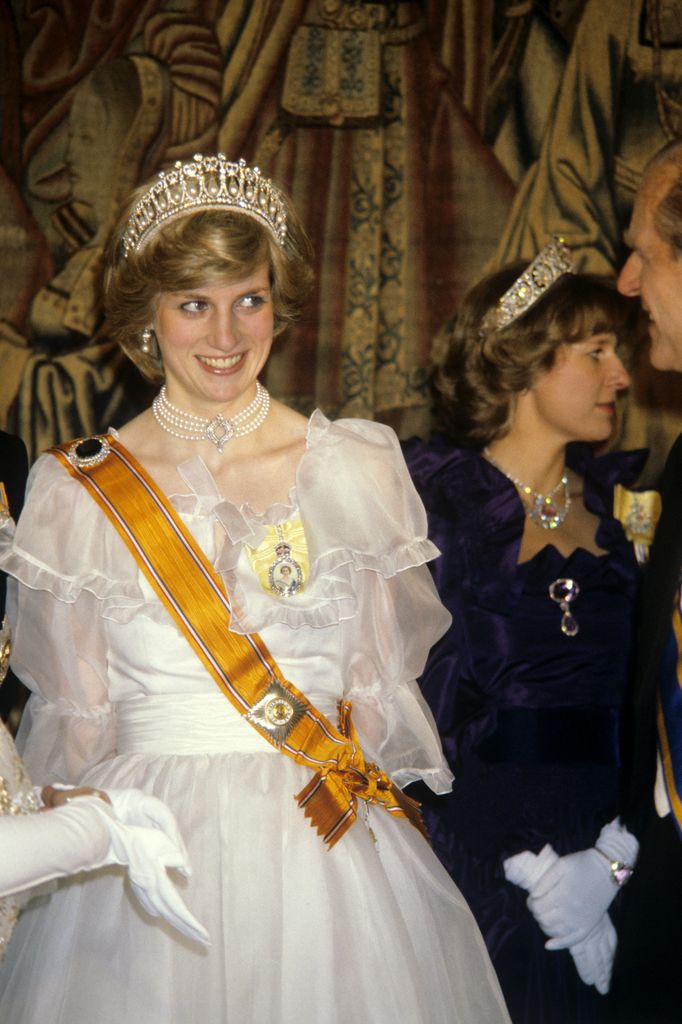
146	342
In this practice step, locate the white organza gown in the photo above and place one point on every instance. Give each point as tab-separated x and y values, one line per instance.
372	930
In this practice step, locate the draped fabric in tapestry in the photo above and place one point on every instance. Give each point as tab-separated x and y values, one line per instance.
421	141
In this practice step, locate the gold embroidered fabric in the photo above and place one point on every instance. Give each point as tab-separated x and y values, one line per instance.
4	505
5	648
638	512
265	558
333	75
333	72
16	797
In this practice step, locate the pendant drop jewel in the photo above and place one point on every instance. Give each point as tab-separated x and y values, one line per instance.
219	430
545	512
285	575
562	592
541	509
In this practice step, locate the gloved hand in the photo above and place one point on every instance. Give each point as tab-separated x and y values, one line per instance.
593	955
573	895
526	869
144	836
134	807
148	850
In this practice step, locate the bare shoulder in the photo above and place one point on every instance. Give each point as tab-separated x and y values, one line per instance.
286	431
291	424
135	434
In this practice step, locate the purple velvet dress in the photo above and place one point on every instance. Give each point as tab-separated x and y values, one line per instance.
529	717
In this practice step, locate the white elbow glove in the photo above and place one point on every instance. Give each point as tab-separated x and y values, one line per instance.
144	836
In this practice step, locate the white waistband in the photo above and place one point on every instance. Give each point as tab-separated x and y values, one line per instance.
199	723
179	723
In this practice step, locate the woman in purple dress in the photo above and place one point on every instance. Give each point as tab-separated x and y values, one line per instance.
527	685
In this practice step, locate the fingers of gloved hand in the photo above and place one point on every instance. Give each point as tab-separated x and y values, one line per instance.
525	869
581	894
556	875
134	807
569	939
519	868
593	957
159	897
563	926
144	849
585	872
148	852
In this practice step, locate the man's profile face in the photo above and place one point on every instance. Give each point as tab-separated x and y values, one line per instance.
654	272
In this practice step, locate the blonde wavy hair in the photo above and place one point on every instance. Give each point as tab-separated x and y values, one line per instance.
202	248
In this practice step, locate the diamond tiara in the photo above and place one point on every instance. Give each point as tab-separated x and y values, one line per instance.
549	265
205	183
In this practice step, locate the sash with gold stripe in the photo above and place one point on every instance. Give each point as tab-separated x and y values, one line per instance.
669	714
194	595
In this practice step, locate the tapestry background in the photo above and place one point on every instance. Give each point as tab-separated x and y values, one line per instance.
422	143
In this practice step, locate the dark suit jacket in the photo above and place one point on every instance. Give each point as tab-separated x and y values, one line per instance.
656	602
13	473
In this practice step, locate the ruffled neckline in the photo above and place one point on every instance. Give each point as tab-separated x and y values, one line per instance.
329	595
239	521
353	520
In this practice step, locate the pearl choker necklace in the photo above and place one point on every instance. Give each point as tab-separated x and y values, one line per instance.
188	427
543	509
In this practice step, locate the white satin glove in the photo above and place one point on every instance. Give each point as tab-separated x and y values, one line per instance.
526	869
593	955
567	893
148	841
572	895
134	807
144	837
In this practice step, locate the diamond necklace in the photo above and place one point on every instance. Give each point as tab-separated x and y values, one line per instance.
188	427
543	509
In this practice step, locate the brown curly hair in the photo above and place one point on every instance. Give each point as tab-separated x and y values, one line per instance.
201	248
476	385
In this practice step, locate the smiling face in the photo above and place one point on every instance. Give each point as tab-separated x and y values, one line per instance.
654	272
214	341
575	400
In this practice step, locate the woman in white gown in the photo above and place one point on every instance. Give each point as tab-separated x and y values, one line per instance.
314	532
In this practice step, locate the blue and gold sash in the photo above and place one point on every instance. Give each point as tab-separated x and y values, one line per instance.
669	715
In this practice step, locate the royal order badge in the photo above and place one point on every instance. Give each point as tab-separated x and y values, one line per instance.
277	712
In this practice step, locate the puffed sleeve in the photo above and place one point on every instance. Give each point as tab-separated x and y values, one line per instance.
59	652
370	502
402	618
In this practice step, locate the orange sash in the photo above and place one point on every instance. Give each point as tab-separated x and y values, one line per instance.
195	597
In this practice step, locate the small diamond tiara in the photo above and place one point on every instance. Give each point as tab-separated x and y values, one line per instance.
205	183
549	265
